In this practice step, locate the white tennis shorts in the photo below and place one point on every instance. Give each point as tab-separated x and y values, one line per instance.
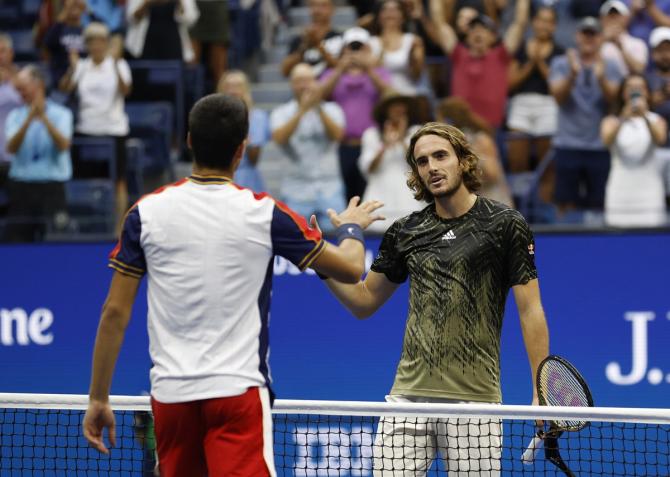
533	113
406	447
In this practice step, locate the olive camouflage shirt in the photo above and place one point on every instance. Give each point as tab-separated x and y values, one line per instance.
460	273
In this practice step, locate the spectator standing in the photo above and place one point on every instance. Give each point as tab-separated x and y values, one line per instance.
64	37
356	84
494	183
102	83
629	53
319	45
584	85
158	29
9	98
211	33
235	83
111	13
532	109
38	136
309	132
479	66
658	76
635	193
383	161
399	51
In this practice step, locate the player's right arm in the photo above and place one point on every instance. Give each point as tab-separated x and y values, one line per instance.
128	260
112	328
345	261
362	299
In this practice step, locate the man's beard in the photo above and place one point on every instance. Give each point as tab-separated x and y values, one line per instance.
449	191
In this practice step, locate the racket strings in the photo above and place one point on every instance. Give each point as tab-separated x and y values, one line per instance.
559	386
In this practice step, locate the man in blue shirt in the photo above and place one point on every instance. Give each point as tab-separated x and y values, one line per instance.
584	85
38	138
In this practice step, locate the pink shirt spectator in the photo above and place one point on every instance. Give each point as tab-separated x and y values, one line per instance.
482	81
357	95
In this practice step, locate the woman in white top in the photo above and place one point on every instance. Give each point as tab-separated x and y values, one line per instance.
382	160
102	82
400	52
635	193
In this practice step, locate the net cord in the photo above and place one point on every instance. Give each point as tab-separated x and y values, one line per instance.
365	408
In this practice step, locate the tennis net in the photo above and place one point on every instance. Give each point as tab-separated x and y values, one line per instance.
40	434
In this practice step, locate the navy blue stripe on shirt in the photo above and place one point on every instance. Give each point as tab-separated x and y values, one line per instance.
264	337
128	256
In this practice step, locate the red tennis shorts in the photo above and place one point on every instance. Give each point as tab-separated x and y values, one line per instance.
222	437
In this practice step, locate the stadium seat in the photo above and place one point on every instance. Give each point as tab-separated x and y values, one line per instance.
161	81
150	126
4	202
9	16
24	45
30	7
90	206
91	201
524	187
94	149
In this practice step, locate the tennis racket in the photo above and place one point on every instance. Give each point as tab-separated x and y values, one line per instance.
558	384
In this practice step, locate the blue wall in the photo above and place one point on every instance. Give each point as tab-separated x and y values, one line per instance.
596	289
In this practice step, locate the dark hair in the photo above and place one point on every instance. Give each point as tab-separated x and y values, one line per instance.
621	101
376	27
465	154
535	11
218	124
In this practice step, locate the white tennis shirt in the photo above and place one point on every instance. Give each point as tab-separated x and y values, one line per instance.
207	247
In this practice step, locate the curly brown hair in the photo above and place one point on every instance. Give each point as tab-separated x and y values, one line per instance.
465	154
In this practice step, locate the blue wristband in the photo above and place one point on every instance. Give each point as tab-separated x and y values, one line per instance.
349	231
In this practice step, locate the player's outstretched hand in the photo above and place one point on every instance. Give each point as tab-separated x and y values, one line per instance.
356	212
98	416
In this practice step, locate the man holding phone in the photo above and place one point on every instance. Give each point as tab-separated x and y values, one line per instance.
356	84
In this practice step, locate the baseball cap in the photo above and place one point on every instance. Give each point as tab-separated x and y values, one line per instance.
658	36
485	21
590	24
356	35
616	5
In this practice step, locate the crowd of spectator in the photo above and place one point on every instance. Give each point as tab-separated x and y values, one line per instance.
574	95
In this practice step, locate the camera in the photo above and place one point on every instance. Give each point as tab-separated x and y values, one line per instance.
355	45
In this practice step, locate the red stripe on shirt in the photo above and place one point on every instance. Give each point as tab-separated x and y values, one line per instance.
308	232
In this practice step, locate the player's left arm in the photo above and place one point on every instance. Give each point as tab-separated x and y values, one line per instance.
115	316
533	325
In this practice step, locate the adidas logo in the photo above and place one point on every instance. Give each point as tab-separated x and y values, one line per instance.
449	235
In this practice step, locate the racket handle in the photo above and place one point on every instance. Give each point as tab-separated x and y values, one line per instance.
534	446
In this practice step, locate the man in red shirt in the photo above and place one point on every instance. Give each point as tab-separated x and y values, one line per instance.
479	64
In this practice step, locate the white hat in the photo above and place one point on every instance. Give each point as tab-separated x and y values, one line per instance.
658	36
617	5
356	34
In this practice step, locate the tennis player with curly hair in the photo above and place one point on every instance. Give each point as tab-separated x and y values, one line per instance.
462	254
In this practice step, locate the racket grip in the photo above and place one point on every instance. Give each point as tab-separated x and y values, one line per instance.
534	446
